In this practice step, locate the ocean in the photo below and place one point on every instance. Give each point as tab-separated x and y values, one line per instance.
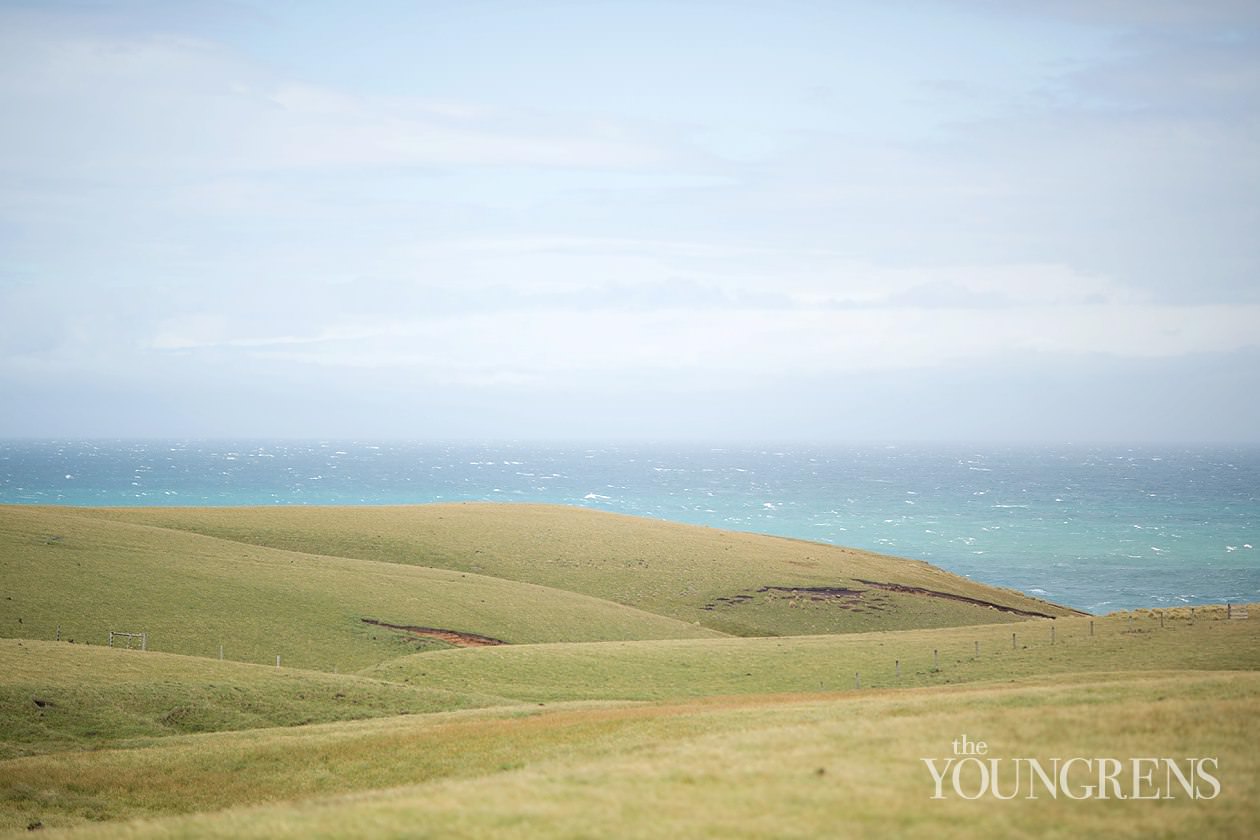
1096	528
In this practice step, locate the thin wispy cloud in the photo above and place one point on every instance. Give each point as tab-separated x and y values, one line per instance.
639	200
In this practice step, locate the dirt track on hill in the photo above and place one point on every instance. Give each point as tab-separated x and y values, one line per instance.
453	637
949	596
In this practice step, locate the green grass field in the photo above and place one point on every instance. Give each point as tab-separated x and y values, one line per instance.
681	571
799	766
92	697
620	707
677	669
193	593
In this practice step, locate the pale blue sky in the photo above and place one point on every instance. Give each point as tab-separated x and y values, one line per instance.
686	220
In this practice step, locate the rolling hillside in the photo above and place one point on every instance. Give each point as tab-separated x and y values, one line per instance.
548	672
58	696
735	583
193	593
675	669
783	766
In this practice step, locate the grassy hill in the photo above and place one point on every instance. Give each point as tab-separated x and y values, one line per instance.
58	696
736	583
193	593
784	766
618	708
99	697
686	668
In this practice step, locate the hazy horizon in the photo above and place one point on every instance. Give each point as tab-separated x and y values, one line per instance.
817	223
767	445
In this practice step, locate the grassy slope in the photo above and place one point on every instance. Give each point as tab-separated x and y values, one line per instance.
121	694
95	696
675	669
703	766
666	568
192	593
782	766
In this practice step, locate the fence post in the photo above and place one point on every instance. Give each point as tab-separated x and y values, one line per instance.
898	666
59	632
1052	634
1012	641
857	678
220	653
1091	627
277	663
936	659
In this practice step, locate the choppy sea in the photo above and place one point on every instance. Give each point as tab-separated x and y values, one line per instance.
1096	528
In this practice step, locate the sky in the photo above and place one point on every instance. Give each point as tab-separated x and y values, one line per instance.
636	221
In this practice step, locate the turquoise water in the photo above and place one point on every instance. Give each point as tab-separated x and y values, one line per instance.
1095	528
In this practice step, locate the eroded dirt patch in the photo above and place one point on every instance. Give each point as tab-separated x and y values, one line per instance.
860	599
815	593
843	597
949	596
454	637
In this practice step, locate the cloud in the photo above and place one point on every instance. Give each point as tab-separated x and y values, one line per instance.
176	206
1212	14
118	108
710	349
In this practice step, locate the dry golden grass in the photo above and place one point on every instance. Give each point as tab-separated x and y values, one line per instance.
769	766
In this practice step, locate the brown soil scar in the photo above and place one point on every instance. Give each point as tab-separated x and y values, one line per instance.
918	590
453	637
815	593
